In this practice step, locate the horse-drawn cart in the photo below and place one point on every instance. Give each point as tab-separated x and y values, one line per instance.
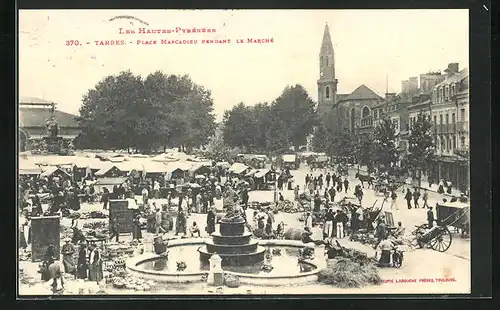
439	237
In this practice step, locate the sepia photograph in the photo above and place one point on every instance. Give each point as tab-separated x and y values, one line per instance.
243	152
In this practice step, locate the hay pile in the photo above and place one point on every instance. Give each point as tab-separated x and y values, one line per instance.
293	234
346	273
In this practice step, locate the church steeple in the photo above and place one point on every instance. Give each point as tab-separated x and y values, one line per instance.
326	45
327	83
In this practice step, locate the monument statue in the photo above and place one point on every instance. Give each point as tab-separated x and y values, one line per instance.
52	127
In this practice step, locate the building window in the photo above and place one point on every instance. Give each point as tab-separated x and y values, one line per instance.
462	141
453	118
438	143
435	120
462	115
447	119
326	60
440	119
443	144
453	142
366	112
327	92
449	144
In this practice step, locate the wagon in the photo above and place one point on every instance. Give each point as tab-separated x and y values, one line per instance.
455	215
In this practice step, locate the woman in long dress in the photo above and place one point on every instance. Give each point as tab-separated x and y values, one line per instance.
82	267
95	271
210	221
24	231
136	231
48	260
68	250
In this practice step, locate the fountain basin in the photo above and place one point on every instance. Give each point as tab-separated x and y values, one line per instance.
287	270
225	239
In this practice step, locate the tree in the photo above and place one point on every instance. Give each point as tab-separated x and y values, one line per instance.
384	152
111	112
239	127
421	147
125	111
297	112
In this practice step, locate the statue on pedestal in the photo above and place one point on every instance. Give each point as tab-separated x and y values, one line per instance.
52	127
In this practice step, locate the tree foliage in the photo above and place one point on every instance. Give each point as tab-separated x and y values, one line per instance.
128	112
421	145
272	127
384	151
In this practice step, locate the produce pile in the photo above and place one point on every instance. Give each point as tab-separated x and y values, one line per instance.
293	234
288	206
347	273
257	205
24	255
122	281
94	215
95	229
364	238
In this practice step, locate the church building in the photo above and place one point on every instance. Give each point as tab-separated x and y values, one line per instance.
350	111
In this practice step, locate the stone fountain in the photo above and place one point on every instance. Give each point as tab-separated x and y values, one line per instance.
53	143
233	243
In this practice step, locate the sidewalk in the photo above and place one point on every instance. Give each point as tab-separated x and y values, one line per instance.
424	184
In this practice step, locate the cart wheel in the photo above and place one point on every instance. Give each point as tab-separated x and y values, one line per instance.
442	241
419	232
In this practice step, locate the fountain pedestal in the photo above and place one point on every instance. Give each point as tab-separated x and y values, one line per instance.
233	244
53	144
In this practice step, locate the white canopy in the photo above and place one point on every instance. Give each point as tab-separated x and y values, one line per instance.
289	158
238	168
261	173
178	165
28	167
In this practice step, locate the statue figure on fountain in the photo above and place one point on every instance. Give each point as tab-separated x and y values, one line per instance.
52	127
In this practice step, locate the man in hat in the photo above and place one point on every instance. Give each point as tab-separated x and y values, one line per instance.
328	227
158	218
67	251
380	232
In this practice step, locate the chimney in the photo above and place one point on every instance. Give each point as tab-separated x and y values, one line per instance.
452	68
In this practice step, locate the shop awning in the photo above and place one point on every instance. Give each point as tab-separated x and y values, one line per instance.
173	166
251	172
105	170
27	167
322	159
51	170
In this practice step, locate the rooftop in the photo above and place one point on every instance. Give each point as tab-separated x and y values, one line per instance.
37	116
362	93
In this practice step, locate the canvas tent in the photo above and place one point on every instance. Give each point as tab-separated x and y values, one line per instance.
238	168
27	167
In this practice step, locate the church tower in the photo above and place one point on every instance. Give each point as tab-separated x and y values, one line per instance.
327	83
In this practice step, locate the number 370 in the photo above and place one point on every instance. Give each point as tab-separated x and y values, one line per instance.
72	43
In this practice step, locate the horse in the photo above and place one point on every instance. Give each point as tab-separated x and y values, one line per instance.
365	178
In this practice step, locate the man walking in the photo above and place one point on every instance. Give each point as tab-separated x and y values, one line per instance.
408	197
425	196
346	184
328	178
393	201
416	195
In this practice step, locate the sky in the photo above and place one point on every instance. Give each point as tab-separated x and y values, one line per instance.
371	46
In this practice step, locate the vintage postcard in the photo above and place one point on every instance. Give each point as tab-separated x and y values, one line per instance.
222	152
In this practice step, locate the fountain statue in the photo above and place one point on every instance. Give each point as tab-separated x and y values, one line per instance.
233	243
53	143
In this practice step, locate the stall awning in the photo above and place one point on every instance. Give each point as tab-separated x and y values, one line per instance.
238	168
289	158
183	166
111	181
51	170
322	159
223	164
261	173
105	170
251	172
27	167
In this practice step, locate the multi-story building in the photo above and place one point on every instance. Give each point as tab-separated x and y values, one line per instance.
429	80
449	114
420	105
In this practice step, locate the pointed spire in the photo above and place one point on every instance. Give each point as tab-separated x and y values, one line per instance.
326	45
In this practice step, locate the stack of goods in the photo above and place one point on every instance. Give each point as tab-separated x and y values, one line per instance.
257	205
130	283
364	238
93	215
232	281
24	255
293	234
290	207
95	230
347	273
